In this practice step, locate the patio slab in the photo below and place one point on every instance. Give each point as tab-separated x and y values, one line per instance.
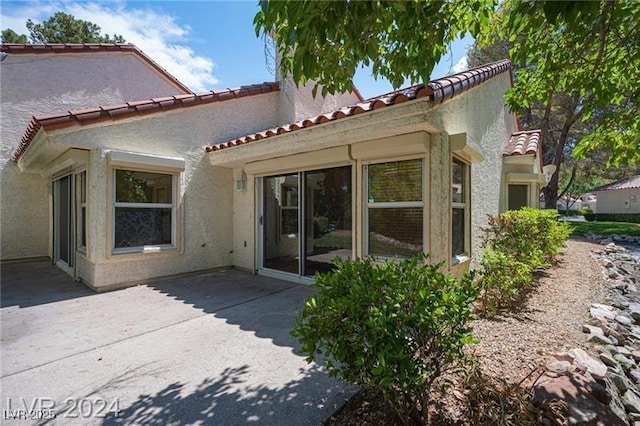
207	349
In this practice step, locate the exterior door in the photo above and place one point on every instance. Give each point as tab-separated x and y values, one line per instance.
306	221
63	222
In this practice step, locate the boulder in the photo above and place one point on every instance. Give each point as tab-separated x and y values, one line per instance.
594	366
631	401
586	400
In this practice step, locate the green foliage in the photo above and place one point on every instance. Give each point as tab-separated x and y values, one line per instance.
613	217
517	242
532	236
10	36
504	278
389	326
327	41
588	51
604	228
61	28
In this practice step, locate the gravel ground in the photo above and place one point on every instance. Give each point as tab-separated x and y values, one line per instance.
550	320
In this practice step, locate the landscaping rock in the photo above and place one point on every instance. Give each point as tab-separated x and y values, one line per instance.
559	367
631	401
594	366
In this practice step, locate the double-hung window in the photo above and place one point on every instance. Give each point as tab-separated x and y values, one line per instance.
395	208
143	210
459	209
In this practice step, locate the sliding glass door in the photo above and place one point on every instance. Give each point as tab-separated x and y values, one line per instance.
306	220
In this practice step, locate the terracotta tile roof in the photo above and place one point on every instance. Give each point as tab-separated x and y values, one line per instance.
521	143
11	48
626	183
131	109
438	91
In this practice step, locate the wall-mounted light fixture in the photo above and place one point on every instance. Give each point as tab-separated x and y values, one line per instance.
548	171
241	181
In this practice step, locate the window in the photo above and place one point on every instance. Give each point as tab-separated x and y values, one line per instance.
395	208
518	196
81	212
143	209
459	208
290	205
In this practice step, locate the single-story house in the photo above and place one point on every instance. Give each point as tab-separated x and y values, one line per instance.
264	177
622	196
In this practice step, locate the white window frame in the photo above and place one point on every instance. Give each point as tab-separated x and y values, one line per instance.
389	204
466	207
173	206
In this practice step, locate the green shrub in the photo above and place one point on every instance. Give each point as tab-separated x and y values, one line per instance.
617	217
584	211
388	326
531	236
503	278
589	217
517	243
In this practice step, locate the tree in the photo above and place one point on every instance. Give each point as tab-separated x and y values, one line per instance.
588	50
61	28
10	36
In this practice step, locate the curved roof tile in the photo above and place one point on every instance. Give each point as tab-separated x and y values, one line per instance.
438	91
521	143
130	109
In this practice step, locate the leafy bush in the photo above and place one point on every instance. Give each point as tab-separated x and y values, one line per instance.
589	217
531	236
517	242
503	279
615	217
388	326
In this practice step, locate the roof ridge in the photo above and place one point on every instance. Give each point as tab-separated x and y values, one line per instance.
91	115
58	48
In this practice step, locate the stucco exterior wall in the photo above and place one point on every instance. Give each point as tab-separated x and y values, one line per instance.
298	103
618	201
479	113
206	193
39	84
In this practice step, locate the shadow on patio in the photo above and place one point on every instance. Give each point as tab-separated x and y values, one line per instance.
262	305
227	399
22	283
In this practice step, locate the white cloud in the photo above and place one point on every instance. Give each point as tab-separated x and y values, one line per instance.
461	65
158	35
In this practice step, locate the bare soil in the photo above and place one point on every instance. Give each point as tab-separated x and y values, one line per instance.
512	348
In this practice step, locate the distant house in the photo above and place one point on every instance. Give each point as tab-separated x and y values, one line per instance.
622	196
124	176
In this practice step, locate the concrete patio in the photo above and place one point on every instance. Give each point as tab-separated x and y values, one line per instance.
212	348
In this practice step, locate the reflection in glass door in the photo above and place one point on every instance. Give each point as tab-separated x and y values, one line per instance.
327	218
63	222
280	224
315	205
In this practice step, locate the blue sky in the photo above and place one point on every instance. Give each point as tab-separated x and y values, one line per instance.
206	44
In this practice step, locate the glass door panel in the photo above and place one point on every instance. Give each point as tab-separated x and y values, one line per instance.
280	223
63	225
327	218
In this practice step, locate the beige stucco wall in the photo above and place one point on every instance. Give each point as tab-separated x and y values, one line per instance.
206	193
618	201
39	84
479	113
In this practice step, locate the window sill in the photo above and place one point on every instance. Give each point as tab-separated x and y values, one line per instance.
460	259
143	250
